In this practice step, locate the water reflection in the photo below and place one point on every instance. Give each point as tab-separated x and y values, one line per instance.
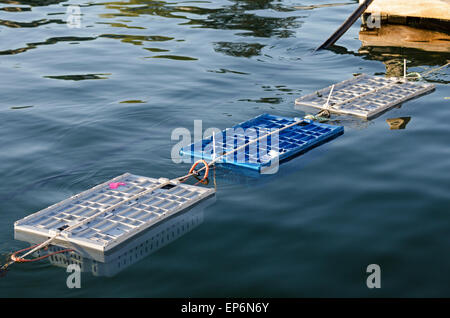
136	249
249	24
15	9
133	101
239	49
32	24
391	35
79	77
393	58
391	44
242	16
33	3
264	100
224	70
230	17
137	39
398	123
46	42
21	107
173	57
317	6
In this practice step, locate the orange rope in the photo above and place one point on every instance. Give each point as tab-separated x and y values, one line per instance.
18	259
204	180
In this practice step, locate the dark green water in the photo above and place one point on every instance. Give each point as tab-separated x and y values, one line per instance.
70	119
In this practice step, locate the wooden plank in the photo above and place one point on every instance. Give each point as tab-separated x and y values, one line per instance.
405	36
428	9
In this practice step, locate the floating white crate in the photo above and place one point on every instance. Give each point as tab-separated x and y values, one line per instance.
123	218
136	248
365	96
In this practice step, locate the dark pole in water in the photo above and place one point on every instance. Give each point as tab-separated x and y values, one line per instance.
345	26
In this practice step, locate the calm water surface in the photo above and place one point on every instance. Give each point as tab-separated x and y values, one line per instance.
82	105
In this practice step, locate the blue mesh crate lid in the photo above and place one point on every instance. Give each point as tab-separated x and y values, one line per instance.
267	151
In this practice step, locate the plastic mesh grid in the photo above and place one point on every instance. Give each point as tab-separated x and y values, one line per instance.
365	96
287	143
125	219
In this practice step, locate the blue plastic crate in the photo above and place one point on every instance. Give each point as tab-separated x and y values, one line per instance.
290	142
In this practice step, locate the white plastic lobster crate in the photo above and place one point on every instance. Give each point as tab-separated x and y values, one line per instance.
365	96
123	218
136	248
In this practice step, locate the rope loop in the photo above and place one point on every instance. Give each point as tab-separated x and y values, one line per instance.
192	171
18	259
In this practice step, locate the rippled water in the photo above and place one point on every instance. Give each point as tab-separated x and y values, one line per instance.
82	105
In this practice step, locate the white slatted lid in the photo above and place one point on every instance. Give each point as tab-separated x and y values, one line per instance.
116	225
365	96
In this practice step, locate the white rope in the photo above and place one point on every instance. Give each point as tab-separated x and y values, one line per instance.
365	94
38	247
435	69
404	68
214	146
296	122
418	75
175	180
329	97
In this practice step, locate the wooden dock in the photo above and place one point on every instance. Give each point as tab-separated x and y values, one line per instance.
426	9
392	35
